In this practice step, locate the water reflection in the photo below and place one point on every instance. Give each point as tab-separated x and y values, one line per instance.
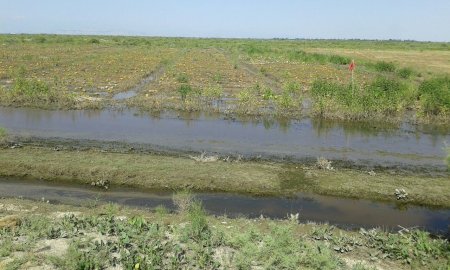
377	143
347	212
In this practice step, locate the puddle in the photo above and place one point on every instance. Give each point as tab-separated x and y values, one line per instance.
136	89
344	212
364	144
125	95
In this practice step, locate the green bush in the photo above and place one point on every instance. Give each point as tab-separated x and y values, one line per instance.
384	66
434	95
405	73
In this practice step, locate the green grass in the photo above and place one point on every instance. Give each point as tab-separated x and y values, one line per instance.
435	96
93	238
263	178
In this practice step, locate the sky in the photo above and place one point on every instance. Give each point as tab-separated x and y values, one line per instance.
424	20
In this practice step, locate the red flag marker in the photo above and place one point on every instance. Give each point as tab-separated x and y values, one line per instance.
352	65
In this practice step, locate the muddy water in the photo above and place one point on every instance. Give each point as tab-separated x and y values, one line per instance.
307	138
345	212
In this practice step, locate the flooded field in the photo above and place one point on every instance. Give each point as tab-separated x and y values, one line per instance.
344	212
372	144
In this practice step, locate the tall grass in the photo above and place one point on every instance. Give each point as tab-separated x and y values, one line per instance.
382	97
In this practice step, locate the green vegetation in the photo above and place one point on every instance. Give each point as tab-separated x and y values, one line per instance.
405	73
435	96
32	92
3	135
383	66
226	175
382	97
69	237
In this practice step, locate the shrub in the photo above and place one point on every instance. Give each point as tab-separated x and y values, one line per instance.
384	66
434	95
405	73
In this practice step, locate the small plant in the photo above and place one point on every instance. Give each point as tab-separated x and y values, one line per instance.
184	91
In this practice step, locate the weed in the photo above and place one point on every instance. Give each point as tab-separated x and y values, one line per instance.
198	228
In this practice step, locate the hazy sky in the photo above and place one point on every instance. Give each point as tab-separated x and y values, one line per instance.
366	19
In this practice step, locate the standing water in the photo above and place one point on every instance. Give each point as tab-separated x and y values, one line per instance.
307	138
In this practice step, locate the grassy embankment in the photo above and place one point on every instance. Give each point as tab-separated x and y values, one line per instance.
254	77
36	234
260	178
